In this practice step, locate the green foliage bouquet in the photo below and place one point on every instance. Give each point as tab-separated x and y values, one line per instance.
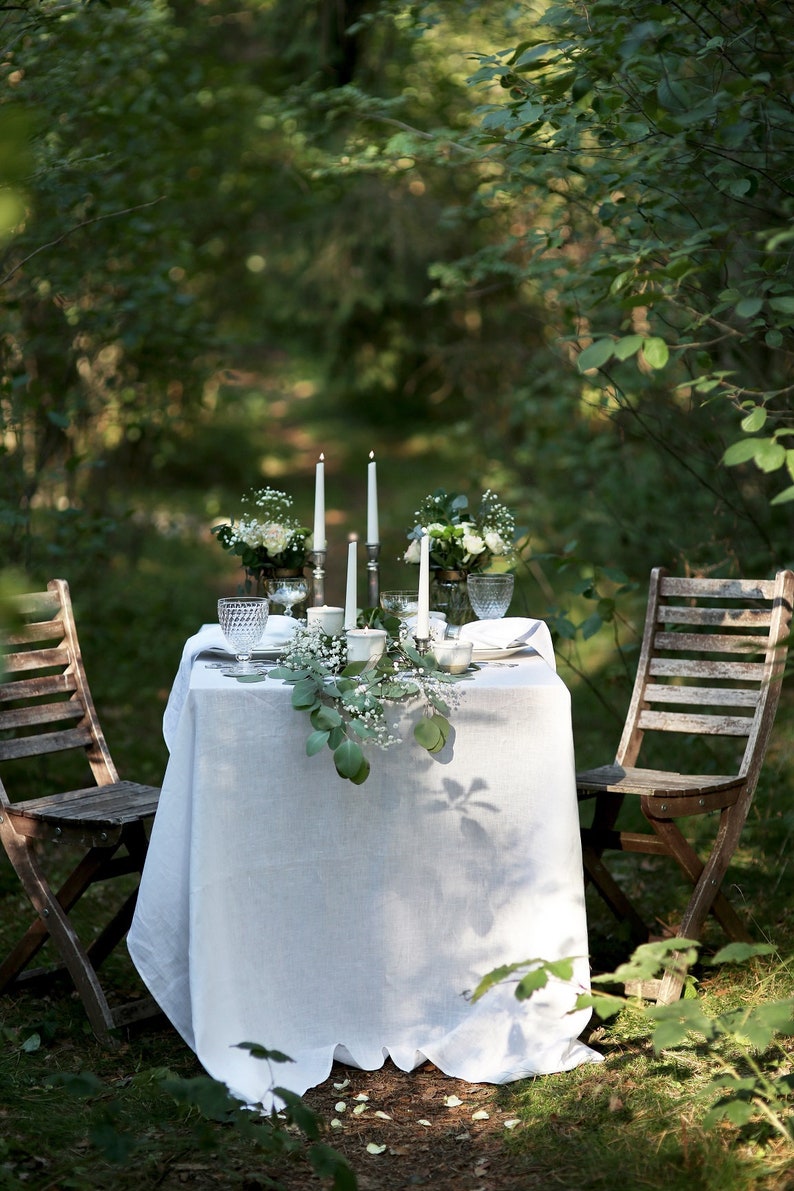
460	539
267	536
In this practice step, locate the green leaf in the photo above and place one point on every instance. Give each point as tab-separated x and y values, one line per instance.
649	959
432	732
348	759
737	953
770	456
755	420
497	976
316	742
783	497
741	452
603	1004
304	694
656	352
327	1163
749	307
533	981
299	1113
325	718
628	346
676	1022
784	305
596	355
257	1051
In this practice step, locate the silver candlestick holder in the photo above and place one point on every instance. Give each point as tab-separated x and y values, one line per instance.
373	575
422	644
318	564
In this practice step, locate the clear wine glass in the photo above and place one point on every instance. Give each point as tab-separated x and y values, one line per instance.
400	603
288	592
242	620
490	595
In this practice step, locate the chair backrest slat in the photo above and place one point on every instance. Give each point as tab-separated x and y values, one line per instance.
36	630
44	742
741	618
712	642
711	647
64	683
726	589
706	668
709	695
40	713
36	659
707	725
44	684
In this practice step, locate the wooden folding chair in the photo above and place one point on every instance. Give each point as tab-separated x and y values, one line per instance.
46	708
712	660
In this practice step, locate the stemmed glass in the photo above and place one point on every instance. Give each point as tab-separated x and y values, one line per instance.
242	620
490	595
399	603
288	592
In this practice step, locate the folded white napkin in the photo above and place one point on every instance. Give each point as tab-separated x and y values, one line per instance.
508	633
209	638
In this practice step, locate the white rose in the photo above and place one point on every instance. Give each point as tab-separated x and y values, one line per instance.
473	544
435	529
275	538
412	554
495	543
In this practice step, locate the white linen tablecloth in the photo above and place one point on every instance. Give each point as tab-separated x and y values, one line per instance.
283	906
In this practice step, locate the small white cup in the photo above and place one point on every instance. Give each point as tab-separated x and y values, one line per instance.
452	656
365	645
328	617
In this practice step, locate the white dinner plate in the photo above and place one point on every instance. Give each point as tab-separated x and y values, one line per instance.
493	655
272	652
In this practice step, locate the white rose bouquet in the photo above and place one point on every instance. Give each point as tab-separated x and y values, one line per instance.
461	539
266	535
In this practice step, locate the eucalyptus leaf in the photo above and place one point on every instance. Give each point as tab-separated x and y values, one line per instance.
325	717
428	733
304	695
348	759
316	742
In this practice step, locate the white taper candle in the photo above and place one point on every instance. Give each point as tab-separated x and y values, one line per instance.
372	502
319	505
351	596
423	607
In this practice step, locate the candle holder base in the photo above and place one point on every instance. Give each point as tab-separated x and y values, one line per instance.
422	644
373	574
318	572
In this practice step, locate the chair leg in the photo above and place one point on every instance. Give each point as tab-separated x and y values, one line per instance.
707	896
29	945
55	922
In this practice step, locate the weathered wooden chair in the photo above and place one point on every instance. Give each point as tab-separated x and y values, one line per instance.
46	708
712	660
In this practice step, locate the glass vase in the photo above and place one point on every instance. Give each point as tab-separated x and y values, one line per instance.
449	594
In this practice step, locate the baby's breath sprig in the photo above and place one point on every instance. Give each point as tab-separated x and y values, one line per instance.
345	701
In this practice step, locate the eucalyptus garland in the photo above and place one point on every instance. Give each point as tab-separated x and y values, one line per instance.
345	701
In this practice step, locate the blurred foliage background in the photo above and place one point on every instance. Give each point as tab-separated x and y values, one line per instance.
542	248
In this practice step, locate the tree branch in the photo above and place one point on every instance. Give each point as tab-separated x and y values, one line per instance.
77	227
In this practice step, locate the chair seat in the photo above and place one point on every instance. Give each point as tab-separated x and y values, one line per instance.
619	779
95	806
